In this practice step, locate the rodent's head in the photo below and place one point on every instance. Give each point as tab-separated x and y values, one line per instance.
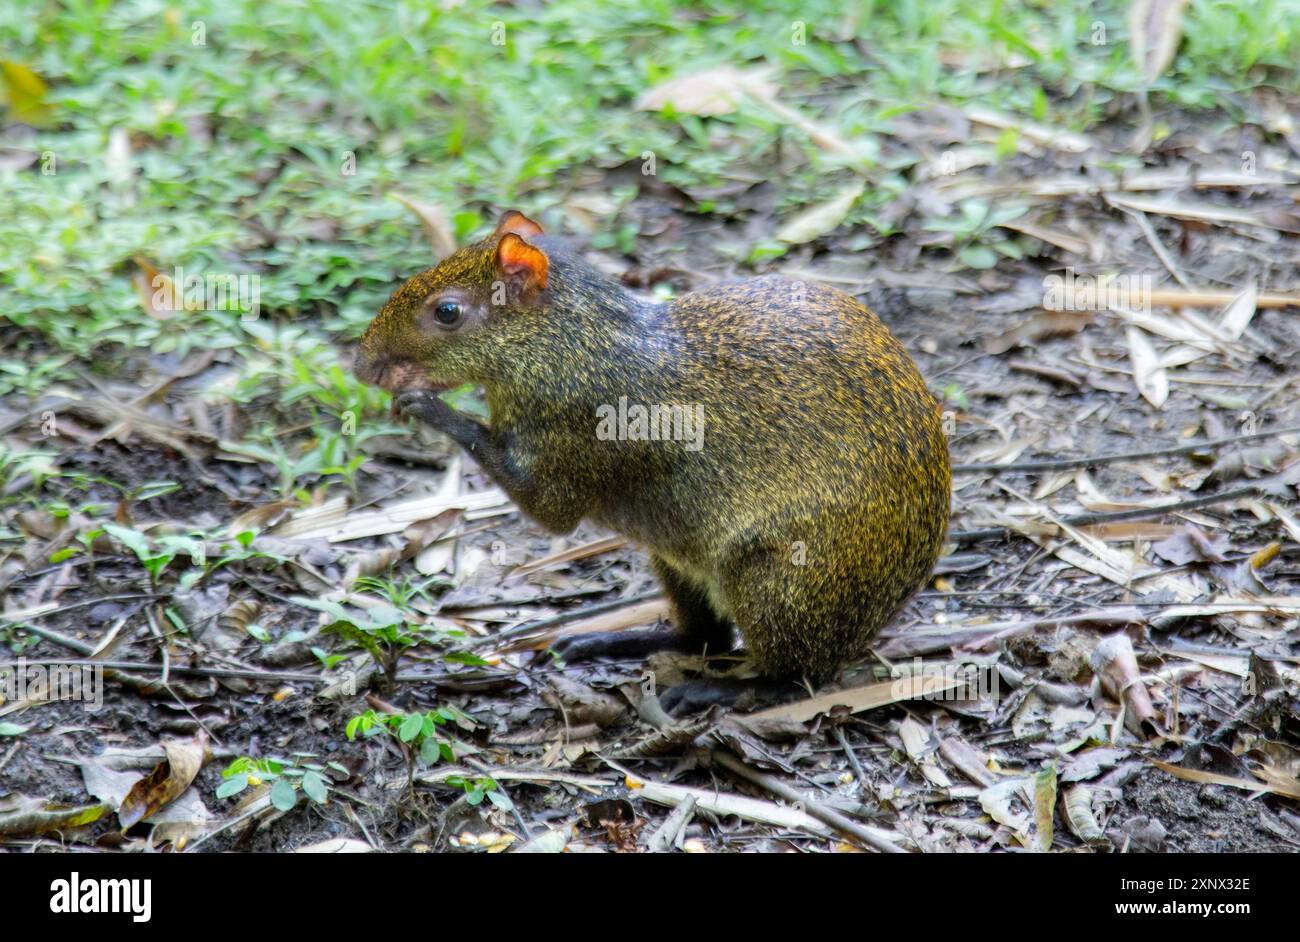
441	327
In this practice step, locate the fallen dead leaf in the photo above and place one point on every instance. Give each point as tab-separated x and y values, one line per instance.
26	94
1115	663
1148	375
154	289
167	781
818	220
1280	785
22	817
337	845
1155	28
868	697
709	93
436	224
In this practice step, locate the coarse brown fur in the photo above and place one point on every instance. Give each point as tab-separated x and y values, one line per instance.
819	499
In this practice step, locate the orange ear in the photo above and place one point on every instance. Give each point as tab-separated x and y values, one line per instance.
512	220
522	262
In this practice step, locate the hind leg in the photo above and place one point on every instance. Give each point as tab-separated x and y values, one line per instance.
766	600
808	591
799	621
697	626
696	619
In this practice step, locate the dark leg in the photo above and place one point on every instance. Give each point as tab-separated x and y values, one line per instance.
697	627
694	696
694	616
622	644
786	638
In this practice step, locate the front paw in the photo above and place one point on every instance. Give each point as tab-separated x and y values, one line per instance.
422	404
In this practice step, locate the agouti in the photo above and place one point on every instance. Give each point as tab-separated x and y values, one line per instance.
769	441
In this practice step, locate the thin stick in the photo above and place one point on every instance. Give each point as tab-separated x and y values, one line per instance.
903	645
666	834
815	809
57	637
148	668
564	617
9	755
1140	513
408	677
1065	464
1154	241
852	756
260	806
68	606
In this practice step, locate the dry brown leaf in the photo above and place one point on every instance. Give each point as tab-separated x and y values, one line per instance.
818	220
1167	326
1044	805
1126	531
720	90
1039	327
1091	497
721	803
580	703
239	615
1089	554
1190	543
708	93
1155	28
584	551
436	225
1076	806
336	845
967	760
868	697
1116	666
1238	666
1091	248
999	803
21	816
333	521
1288	521
1039	133
916	742
1278	606
418	536
1148	375
1055	373
153	288
918	641
1237	317
1277	784
548	842
261	516
168	780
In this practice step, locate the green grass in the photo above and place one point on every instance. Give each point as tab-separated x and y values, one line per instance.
236	147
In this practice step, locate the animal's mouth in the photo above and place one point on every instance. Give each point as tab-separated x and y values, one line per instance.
396	376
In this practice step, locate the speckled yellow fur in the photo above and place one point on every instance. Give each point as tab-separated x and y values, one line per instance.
819	500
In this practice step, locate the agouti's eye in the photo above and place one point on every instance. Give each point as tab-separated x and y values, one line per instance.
447	312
